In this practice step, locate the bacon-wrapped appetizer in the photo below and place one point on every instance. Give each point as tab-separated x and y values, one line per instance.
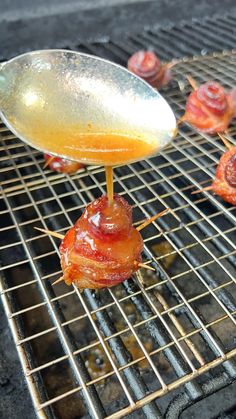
224	184
209	108
60	165
102	248
147	65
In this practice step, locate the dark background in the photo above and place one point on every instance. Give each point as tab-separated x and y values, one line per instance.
28	24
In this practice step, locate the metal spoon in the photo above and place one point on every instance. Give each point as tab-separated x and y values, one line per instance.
48	96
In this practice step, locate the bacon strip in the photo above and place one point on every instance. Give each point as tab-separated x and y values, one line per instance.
102	249
209	108
147	65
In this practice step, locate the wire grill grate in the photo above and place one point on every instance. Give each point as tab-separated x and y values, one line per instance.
195	38
115	351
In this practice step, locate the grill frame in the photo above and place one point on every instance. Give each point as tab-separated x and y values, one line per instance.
193	390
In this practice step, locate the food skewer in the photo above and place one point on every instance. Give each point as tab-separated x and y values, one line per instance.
151	219
50	233
207	188
58	280
140	227
48	162
142	265
192	82
143	225
225	141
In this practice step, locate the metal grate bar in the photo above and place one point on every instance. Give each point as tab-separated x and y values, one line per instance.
182	297
166	317
174	41
161	336
122	355
148	410
90	396
65	342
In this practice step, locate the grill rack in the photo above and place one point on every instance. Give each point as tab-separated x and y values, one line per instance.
199	37
192	155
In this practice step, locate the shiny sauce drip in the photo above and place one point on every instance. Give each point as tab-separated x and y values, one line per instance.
109	182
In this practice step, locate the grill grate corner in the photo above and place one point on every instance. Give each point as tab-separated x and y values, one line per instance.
112	352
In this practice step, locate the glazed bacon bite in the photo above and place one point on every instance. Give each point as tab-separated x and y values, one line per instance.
102	249
209	108
57	164
224	183
147	65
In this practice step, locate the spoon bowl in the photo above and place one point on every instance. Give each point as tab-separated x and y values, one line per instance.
83	108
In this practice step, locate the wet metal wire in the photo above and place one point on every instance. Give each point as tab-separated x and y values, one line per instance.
148	338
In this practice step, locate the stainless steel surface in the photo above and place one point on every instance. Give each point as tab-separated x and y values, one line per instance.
68	92
191	299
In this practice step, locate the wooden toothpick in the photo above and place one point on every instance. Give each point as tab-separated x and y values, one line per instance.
192	82
225	141
151	219
50	233
49	161
207	188
142	265
58	280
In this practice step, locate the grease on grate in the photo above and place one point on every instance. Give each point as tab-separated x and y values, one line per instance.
98	364
164	249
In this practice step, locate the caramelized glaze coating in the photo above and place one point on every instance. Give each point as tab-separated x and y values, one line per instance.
147	65
209	108
60	165
224	184
102	249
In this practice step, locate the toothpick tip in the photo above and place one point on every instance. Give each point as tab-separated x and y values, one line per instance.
207	188
225	141
151	219
50	233
142	265
48	162
192	82
58	280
